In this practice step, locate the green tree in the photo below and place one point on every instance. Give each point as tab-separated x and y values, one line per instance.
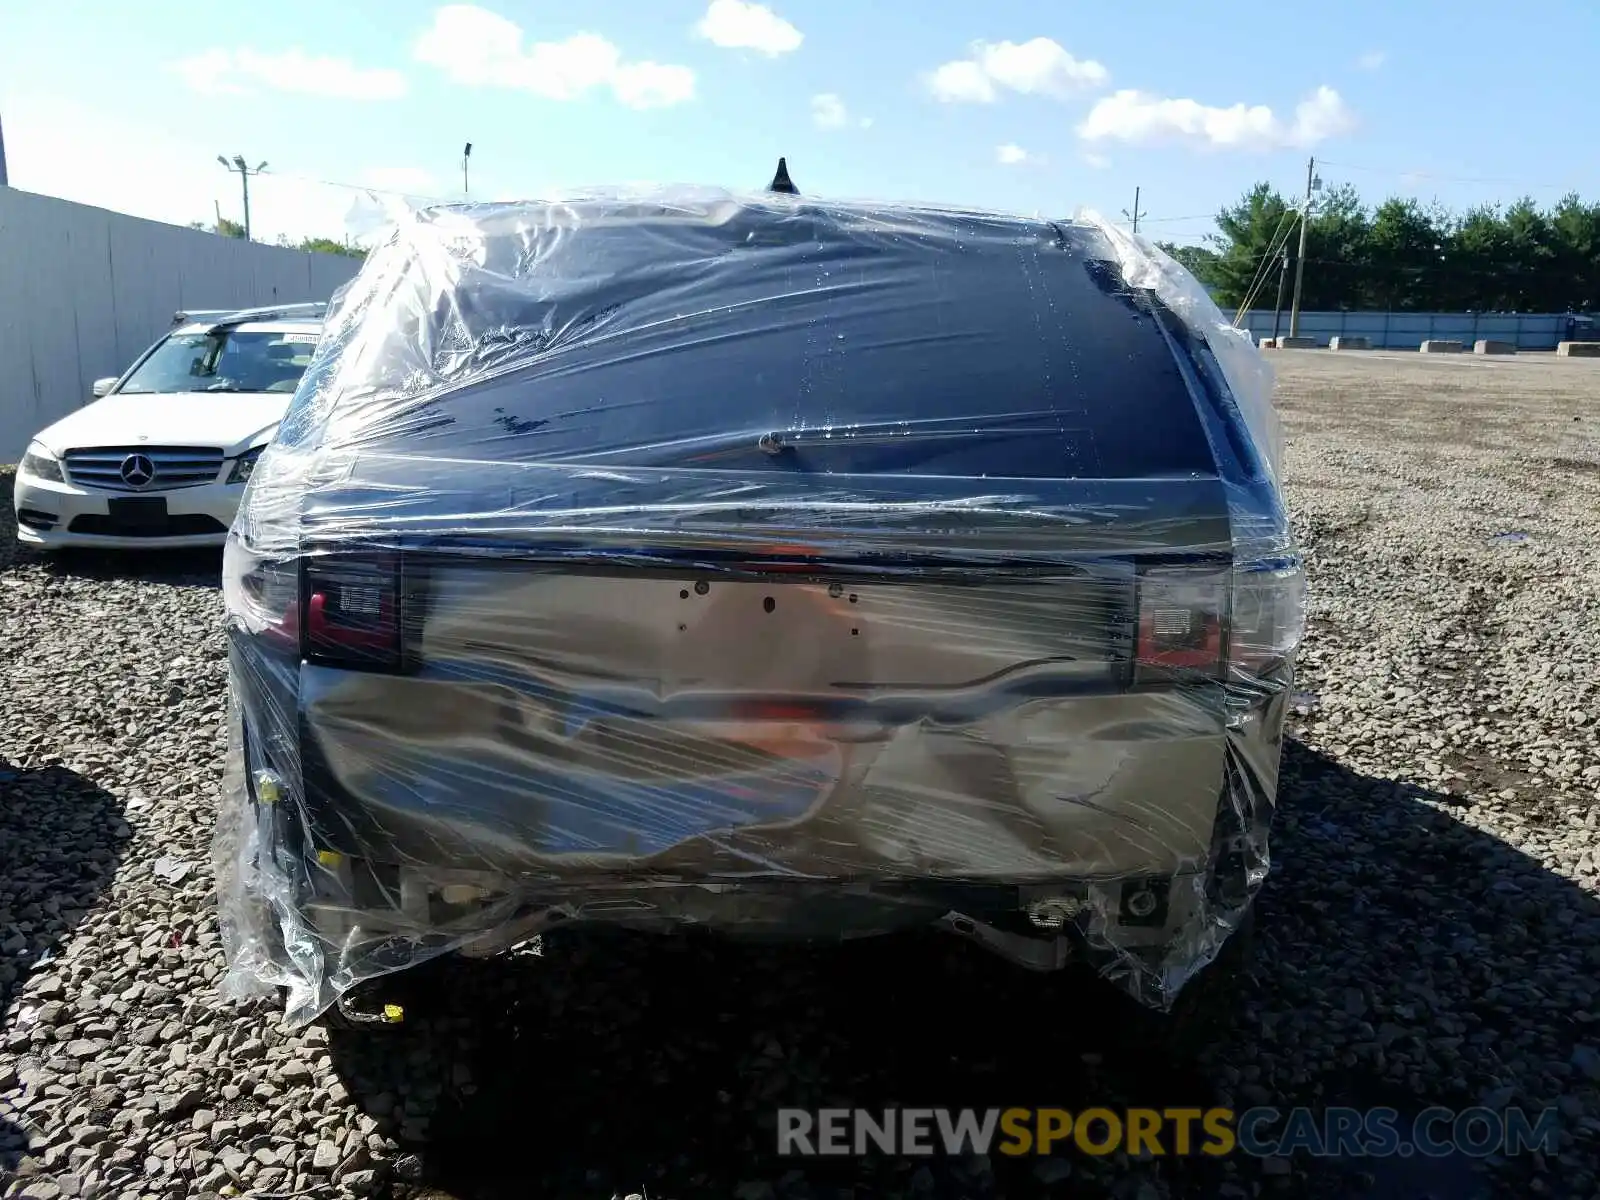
1530	265
1262	230
1575	261
1200	261
1404	256
1250	232
1477	245
322	245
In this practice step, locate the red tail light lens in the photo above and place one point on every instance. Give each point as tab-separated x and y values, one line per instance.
262	595
1182	612
354	612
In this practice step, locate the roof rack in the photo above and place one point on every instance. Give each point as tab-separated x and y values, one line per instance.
237	316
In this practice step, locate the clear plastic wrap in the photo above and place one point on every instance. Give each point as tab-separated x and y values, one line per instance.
790	568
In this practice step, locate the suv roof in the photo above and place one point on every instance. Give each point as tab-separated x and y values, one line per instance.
313	311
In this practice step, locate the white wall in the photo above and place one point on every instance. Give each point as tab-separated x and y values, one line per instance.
84	291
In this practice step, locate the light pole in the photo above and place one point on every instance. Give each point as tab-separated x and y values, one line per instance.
466	157
244	172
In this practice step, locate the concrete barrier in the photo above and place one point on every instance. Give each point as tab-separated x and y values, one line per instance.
1297	343
1349	343
1490	346
1267	343
1442	346
1578	349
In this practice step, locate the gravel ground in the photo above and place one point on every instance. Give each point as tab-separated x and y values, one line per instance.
1430	934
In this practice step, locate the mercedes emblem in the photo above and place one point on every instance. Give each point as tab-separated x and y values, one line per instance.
137	470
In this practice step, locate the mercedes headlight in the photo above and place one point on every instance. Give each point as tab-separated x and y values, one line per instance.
244	464
41	464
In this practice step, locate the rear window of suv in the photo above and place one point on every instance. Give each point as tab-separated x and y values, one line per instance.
991	349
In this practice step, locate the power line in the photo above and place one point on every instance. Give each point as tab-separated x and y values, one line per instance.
1432	175
1274	247
354	187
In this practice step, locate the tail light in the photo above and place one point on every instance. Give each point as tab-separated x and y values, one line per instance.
1267	617
1211	622
1182	612
354	611
262	595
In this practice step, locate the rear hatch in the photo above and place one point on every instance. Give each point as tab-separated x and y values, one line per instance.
701	701
904	555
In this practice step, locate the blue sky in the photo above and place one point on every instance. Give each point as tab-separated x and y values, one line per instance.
1043	106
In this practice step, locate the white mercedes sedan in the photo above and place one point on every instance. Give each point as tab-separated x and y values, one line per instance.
161	457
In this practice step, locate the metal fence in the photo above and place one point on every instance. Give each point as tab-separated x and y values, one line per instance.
84	291
1407	330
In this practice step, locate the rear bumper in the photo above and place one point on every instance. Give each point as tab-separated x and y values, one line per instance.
1138	819
54	515
1081	787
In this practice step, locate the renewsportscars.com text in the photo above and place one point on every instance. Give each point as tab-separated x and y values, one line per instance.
1214	1132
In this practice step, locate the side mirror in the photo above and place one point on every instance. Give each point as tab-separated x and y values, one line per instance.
104	386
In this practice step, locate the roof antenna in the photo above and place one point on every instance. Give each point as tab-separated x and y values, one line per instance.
781	181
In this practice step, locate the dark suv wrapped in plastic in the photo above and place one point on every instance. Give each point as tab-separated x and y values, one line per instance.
785	567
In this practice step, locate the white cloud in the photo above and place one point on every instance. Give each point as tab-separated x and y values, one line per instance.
477	48
828	111
738	25
652	85
1038	67
1320	116
1098	161
233	72
1141	118
962	82
1372	60
130	166
1011	154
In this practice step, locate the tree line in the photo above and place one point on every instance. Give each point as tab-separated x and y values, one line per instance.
317	245
1404	256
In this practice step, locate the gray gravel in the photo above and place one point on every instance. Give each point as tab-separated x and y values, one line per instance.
1431	933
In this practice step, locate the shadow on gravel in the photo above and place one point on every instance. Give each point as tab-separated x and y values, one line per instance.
61	839
1418	961
638	1065
175	568
617	1065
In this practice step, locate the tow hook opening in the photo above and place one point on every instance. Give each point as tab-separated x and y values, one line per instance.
382	1014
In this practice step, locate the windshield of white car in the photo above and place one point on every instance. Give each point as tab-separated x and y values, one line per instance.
224	360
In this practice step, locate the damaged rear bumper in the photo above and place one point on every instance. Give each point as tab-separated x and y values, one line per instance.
1124	832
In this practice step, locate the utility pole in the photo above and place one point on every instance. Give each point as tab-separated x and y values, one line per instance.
1283	279
1300	261
1135	214
244	173
466	157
